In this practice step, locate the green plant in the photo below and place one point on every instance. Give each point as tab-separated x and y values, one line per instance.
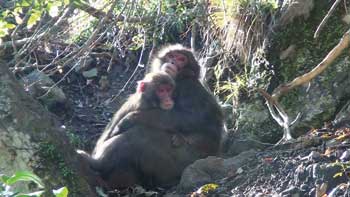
27	12
7	182
76	140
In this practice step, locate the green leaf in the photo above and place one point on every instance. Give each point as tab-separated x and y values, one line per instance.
5	13
65	2
10	26
24	176
18	10
62	192
3	33
338	174
34	18
3	178
25	3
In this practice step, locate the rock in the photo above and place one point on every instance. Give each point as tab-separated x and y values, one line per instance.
288	53
239	142
292	191
345	156
346	19
90	73
314	156
41	87
212	168
295	8
343	117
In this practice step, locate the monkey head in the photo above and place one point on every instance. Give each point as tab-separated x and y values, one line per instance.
176	60
159	87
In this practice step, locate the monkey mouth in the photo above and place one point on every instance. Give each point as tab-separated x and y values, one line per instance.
167	106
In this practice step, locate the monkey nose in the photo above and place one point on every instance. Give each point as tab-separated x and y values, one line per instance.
167	105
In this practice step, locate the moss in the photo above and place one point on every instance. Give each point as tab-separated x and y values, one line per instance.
77	141
52	160
310	51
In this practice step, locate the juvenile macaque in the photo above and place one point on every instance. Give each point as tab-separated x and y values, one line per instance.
155	91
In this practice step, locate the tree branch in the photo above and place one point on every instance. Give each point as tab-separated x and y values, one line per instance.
305	78
324	20
100	14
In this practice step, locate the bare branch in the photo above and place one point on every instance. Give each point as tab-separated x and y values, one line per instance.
324	20
100	14
281	118
135	71
193	36
305	78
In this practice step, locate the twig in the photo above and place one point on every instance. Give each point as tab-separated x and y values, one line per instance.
154	37
281	118
109	68
323	22
24	21
99	14
136	69
193	36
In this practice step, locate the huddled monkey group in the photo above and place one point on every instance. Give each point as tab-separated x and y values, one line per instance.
168	123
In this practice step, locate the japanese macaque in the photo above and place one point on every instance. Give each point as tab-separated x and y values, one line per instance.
144	153
153	92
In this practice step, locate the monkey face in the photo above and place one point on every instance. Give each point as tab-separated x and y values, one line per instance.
174	63
164	93
178	61
157	88
176	58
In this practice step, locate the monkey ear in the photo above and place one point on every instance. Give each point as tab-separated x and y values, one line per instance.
141	86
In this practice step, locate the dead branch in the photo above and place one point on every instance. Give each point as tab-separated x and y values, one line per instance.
193	36
305	78
276	110
135	71
324	20
279	115
37	36
100	14
17	43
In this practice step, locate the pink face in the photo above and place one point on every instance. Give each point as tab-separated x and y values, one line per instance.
164	93
178	59
174	63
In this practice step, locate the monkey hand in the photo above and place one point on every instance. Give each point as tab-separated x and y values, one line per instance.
170	68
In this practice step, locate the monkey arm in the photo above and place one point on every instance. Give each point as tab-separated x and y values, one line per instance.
109	130
195	110
157	118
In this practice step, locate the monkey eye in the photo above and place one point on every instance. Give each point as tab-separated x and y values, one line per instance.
169	88
164	89
170	56
182	59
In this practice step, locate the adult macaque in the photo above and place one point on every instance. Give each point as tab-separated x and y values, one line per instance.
154	91
196	114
